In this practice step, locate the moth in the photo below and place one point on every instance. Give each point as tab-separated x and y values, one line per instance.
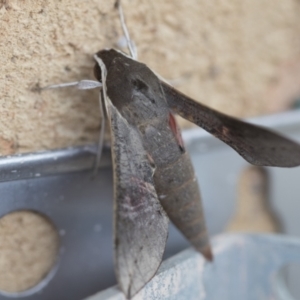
153	176
154	179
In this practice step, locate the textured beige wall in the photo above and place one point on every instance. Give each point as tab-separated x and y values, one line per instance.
232	55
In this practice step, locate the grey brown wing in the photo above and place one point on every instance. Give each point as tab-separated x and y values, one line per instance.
140	223
259	146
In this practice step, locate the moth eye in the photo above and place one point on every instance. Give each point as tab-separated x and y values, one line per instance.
139	85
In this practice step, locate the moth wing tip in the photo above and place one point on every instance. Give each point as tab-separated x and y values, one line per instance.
129	291
207	253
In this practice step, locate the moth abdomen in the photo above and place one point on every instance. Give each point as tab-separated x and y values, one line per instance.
179	195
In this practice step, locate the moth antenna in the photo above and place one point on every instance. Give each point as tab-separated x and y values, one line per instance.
85	85
81	85
101	135
130	44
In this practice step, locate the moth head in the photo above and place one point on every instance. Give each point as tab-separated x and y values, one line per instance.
108	56
131	86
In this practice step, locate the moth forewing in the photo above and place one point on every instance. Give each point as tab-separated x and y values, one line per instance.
258	145
140	223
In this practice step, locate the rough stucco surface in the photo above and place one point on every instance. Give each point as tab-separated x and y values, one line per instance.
29	245
232	55
241	57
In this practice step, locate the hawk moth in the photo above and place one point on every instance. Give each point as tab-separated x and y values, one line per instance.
153	175
154	179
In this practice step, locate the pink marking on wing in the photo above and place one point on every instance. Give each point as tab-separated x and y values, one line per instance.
176	131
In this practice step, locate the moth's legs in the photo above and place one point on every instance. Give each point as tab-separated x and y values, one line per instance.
86	85
81	85
101	134
130	44
132	48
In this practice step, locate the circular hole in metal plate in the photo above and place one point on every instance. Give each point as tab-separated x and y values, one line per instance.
29	245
